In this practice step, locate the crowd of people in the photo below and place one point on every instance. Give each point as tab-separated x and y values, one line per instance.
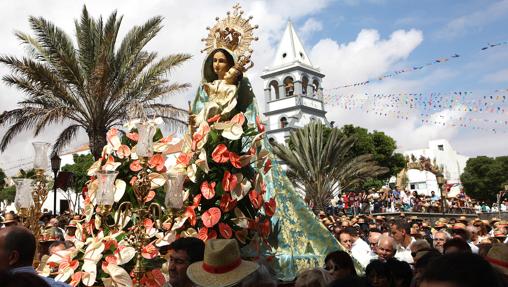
377	251
394	200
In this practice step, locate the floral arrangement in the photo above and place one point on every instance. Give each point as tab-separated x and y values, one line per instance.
221	164
224	161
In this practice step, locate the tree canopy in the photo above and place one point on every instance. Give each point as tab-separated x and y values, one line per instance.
484	177
320	162
381	146
80	167
91	85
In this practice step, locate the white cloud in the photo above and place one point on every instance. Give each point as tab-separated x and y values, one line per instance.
366	57
461	25
309	27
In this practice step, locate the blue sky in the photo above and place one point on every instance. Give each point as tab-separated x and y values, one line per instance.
349	40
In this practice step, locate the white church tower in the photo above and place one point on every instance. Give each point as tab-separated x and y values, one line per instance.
293	91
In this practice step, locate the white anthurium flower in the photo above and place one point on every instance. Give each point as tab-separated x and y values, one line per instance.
120	186
79	244
114	142
94	250
165	239
90	273
95	167
162	146
119	277
134	155
257	139
259	182
151	232
156	180
191	172
231	131
202	161
240	220
88	210
242	188
64	274
111	164
179	222
125	254
107	150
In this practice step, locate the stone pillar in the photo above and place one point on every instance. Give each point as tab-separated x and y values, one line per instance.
298	88
310	91
267	98
282	91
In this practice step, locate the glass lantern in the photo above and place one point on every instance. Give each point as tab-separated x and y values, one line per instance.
41	160
146	131
174	191
105	194
23	199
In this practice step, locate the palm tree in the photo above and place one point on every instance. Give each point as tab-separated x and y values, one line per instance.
319	165
89	86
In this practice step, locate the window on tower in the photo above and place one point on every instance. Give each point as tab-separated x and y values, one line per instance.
274	90
305	83
283	122
289	86
315	87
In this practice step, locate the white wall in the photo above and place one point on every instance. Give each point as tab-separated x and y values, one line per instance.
452	162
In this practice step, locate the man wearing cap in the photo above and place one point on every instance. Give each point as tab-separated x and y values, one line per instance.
498	258
221	266
183	252
10	219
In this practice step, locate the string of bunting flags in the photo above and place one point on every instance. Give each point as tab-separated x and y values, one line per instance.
483	112
435	61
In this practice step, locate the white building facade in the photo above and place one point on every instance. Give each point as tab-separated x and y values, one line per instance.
293	90
447	158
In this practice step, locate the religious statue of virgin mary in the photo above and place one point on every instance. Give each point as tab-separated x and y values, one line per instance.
235	187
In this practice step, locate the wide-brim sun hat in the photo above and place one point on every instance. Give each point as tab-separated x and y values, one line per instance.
498	257
222	265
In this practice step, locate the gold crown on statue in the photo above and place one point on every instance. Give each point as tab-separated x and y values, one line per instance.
234	33
244	63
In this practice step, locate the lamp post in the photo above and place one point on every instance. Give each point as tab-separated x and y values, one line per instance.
440	182
55	166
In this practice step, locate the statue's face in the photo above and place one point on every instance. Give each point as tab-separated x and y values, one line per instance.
220	64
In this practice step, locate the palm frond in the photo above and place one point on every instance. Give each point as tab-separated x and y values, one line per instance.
65	137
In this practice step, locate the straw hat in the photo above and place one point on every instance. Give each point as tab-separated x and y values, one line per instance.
222	265
439	224
72	224
498	232
498	257
9	217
